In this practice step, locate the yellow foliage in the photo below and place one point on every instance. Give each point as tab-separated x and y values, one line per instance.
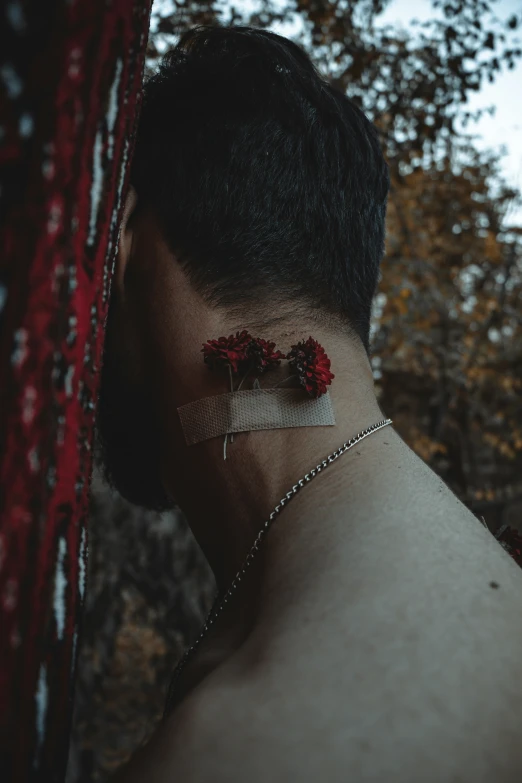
402	307
507	382
492	248
506	450
484	494
492	439
426	447
500	445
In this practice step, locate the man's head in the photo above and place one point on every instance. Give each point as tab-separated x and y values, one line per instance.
268	187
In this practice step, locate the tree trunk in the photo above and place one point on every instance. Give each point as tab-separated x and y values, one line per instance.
69	90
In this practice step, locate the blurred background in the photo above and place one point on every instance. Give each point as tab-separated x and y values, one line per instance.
442	82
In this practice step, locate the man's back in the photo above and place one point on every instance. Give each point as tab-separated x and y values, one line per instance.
407	670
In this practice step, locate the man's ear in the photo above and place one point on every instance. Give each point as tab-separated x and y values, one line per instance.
125	241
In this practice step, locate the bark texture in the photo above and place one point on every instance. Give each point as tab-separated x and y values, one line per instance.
150	589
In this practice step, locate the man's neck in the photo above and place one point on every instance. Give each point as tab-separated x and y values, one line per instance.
227	502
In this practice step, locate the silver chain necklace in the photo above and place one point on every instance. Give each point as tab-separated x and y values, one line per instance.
219	605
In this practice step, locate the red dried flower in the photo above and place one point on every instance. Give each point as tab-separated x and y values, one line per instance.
227	351
262	354
312	366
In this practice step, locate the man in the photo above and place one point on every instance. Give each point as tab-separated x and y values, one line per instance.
377	635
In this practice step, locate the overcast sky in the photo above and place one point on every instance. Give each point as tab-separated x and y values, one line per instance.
504	128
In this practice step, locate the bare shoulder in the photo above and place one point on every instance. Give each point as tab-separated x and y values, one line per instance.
411	686
413	670
411	673
251	735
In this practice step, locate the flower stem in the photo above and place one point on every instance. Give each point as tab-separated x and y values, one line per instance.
243	379
231	434
285	380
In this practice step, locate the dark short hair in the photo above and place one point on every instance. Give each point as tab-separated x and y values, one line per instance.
269	185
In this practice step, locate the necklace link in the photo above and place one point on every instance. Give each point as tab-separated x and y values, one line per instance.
218	604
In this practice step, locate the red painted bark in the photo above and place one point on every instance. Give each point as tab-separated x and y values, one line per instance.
70	76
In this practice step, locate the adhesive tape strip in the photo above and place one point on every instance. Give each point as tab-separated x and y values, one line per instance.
253	409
